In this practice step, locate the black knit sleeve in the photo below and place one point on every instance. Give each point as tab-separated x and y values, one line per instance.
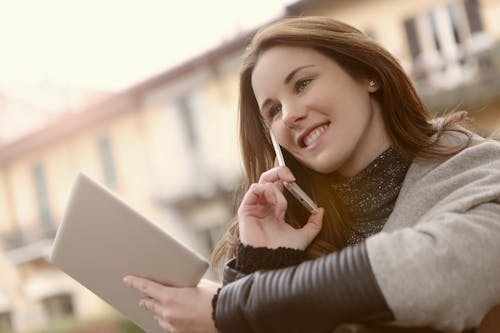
250	259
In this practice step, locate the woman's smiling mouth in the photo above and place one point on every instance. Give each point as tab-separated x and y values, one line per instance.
310	138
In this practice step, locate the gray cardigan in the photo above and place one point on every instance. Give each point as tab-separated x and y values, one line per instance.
437	259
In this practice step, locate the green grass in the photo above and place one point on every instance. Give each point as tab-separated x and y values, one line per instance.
102	325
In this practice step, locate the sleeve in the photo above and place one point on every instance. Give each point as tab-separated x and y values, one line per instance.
314	296
250	259
443	273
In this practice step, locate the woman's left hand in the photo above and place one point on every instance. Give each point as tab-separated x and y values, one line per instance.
177	309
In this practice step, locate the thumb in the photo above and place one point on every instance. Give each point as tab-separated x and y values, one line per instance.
314	224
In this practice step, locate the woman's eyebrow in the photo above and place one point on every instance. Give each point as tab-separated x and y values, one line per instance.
289	77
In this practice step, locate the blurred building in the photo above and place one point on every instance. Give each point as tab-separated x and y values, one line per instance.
449	47
166	145
169	145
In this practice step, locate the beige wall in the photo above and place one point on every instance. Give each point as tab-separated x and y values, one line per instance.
491	14
153	161
222	146
6	209
23	194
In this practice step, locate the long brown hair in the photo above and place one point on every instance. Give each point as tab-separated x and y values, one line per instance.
407	120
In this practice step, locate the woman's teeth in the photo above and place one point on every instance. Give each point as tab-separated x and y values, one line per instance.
314	135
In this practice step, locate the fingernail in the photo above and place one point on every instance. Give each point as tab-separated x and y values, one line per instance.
126	280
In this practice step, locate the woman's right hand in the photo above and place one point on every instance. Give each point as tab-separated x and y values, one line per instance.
261	215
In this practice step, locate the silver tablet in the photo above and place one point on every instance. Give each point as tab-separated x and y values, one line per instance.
101	239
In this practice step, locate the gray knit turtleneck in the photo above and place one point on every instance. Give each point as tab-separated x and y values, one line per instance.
369	196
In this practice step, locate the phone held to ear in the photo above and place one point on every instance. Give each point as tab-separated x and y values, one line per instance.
292	187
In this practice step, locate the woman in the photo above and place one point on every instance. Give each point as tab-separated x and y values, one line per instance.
410	220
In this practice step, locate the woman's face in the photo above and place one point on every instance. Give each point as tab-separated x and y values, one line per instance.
318	112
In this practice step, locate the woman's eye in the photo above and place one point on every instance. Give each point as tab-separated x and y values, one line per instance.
302	84
274	110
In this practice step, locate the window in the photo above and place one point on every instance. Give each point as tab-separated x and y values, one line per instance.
58	306
42	194
432	19
186	112
107	160
442	40
5	322
473	16
412	35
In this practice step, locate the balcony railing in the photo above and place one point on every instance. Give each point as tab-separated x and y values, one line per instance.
476	89
23	237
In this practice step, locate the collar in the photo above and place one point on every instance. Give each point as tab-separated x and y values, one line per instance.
372	192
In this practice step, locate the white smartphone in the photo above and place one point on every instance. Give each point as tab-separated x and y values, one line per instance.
292	187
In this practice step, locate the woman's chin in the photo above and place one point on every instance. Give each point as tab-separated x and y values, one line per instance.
323	168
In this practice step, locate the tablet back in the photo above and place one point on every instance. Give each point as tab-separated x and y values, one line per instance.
101	239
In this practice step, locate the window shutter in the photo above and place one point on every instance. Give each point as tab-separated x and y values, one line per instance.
412	36
473	15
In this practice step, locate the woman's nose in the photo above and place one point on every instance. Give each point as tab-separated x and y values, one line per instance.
293	114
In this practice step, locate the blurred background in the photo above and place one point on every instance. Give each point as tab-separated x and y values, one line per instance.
142	96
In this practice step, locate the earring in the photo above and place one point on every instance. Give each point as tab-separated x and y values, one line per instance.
372	83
